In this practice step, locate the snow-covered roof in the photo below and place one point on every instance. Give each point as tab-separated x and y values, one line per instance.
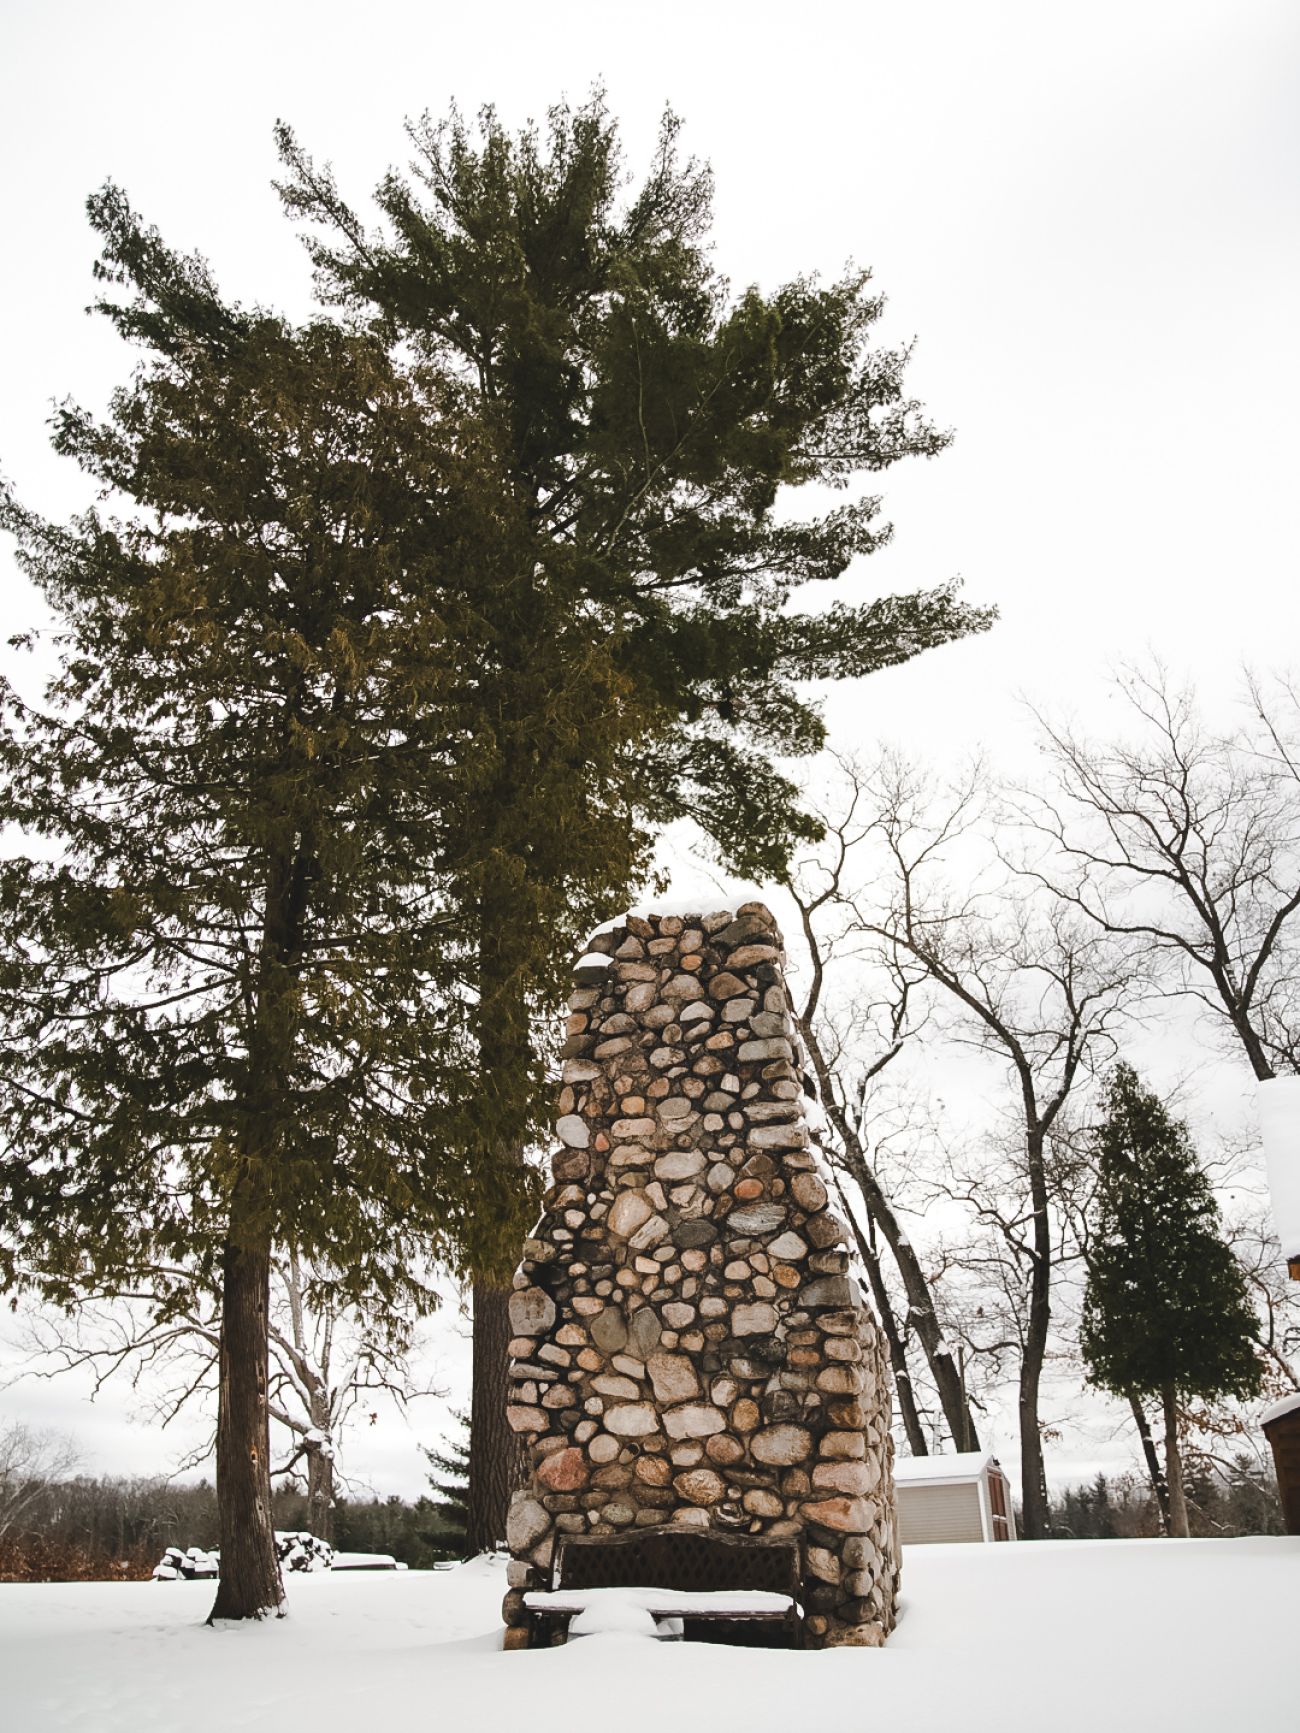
959	1465
1275	1410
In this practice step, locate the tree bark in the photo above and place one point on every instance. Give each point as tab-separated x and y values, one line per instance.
1033	1476
1174	1466
320	1492
250	1586
495	1456
917	1442
318	1445
921	1313
1159	1485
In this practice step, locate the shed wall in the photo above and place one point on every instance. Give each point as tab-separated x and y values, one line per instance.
939	1513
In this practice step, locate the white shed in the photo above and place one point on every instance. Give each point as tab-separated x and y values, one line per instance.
961	1497
1279	1125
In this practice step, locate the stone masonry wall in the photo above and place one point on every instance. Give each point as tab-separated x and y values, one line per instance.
688	1346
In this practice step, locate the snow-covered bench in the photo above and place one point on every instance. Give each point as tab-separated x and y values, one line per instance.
737	1587
628	1609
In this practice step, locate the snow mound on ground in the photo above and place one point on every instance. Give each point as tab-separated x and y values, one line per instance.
614	1613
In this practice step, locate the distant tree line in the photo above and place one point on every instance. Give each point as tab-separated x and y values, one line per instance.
116	1527
60	1526
1239	1498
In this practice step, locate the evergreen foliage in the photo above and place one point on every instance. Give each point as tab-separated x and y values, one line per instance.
450	1483
371	705
652	429
242	969
1165	1305
648	421
413	1532
231	976
414	626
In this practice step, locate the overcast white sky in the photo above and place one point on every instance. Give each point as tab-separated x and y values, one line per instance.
1086	215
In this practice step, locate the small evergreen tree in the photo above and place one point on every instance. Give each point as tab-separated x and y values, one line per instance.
450	1483
1165	1311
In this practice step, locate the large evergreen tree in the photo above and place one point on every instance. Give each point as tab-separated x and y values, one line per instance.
240	971
416	631
1166	1313
653	429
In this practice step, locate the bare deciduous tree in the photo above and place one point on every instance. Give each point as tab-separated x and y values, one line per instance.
1186	844
1029	982
850	1047
325	1359
31	1462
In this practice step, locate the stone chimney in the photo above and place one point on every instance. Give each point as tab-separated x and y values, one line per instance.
688	1346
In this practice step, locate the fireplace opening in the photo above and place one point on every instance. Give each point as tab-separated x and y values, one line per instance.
710	1587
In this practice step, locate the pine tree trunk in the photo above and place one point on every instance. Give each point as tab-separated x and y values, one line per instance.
495	1456
1174	1466
250	1585
1159	1485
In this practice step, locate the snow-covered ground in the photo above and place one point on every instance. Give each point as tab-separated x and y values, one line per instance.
1098	1636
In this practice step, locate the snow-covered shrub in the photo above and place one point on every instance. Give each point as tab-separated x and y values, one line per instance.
190	1565
302	1551
297	1550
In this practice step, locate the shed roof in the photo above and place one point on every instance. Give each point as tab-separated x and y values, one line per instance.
960	1465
